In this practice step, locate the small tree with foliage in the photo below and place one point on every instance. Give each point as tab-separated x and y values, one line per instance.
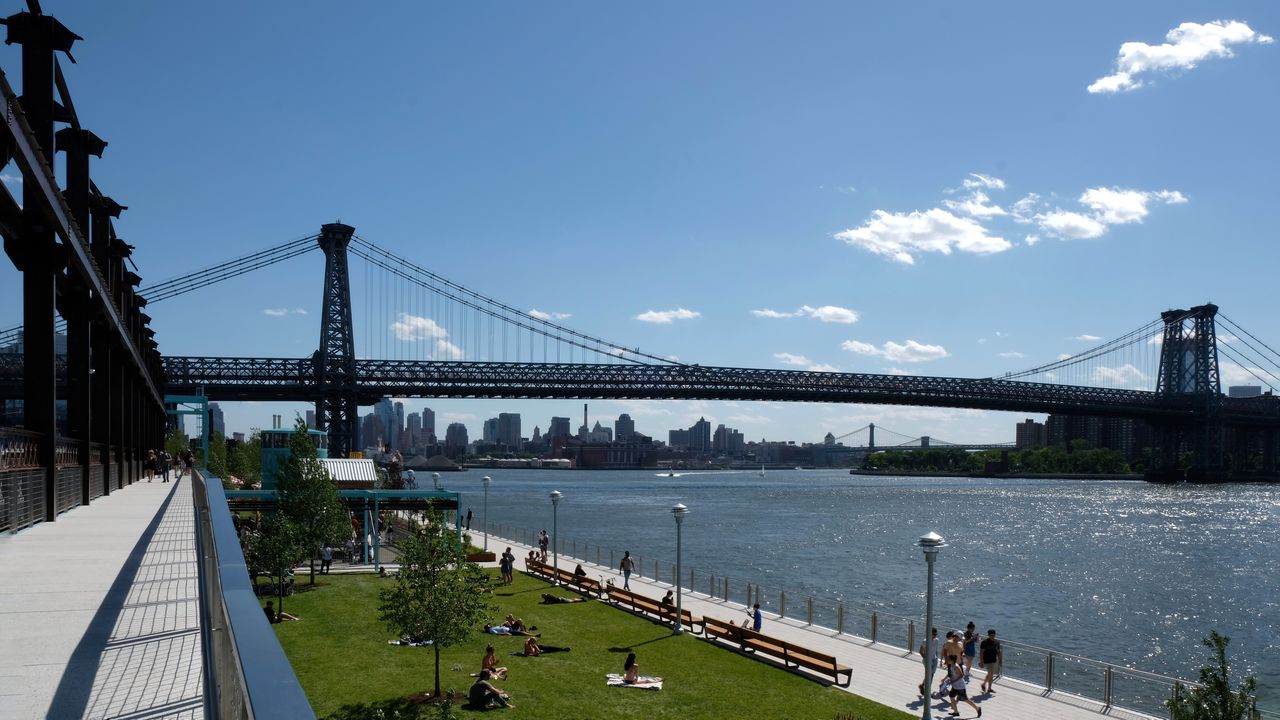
1214	699
175	442
245	461
274	550
433	597
217	460
309	498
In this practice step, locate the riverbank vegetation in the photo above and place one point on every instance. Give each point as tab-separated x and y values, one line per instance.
1079	459
340	652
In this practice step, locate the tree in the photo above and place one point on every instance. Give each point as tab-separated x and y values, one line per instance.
274	550
217	461
176	443
434	598
1213	699
245	461
308	497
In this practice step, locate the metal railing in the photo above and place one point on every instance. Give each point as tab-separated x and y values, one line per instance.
21	480
247	674
1108	684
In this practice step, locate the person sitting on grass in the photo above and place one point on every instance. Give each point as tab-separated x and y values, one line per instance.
630	670
517	625
504	630
549	599
483	695
490	663
533	649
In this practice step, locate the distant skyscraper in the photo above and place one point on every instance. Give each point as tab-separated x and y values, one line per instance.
1244	391
413	431
700	436
559	428
386	412
398	434
216	423
455	439
489	432
1030	434
624	428
429	424
508	430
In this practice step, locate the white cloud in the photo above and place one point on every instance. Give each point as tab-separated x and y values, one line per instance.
1187	45
830	314
896	371
11	180
1070	225
1235	374
1114	206
982	341
299	311
1031	240
978	180
1024	210
822	367
541	315
412	328
826	313
901	236
1086	338
1063	356
665	317
750	419
444	350
275	312
789	359
1125	376
911	351
976	205
1012	354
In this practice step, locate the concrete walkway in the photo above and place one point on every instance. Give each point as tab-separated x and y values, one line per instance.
99	614
882	673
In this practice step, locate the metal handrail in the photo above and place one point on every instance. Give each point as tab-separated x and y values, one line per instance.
247	674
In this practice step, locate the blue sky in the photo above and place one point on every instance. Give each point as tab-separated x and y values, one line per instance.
720	158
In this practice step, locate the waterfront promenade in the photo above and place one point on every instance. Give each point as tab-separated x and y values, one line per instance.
99	612
882	673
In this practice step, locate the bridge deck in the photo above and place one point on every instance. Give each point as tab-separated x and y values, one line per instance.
99	613
882	673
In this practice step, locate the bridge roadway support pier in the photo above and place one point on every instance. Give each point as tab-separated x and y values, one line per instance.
336	408
1189	371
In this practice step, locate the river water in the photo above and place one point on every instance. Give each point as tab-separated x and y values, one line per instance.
1124	572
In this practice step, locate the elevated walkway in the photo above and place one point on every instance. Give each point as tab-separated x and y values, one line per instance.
99	612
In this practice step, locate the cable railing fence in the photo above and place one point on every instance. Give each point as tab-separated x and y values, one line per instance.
1111	685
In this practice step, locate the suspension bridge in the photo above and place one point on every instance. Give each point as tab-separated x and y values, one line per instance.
865	437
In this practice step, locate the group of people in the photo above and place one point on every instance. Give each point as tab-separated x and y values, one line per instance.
956	656
159	463
507	566
483	694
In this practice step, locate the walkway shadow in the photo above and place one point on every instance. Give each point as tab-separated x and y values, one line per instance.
76	685
632	647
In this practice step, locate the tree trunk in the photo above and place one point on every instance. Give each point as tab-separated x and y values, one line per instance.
313	567
279	599
436	646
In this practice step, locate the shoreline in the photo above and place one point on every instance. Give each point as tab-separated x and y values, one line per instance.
1001	476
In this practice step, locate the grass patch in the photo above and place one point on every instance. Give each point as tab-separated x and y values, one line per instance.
340	653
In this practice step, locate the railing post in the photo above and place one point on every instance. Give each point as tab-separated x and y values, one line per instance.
1106	687
726	588
840	618
875	626
911	636
782	603
612	564
691	583
656	574
1048	671
809	603
711	587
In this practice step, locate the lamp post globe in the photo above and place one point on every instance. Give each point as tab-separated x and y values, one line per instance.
678	512
485	482
930	544
555	543
435	480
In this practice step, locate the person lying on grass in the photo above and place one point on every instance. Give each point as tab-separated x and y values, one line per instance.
533	649
549	599
504	630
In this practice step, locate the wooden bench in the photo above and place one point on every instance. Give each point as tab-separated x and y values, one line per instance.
789	653
565	577
643	604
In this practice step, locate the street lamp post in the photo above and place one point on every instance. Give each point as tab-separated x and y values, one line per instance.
678	512
930	544
485	481
555	544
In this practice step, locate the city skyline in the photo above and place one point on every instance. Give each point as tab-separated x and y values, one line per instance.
828	187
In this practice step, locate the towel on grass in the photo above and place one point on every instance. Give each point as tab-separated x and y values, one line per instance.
646	682
410	643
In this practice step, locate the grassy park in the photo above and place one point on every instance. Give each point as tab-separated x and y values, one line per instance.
340	652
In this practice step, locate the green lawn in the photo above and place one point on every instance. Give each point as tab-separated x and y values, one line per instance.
339	650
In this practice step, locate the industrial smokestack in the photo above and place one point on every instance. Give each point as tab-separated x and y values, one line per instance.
584	415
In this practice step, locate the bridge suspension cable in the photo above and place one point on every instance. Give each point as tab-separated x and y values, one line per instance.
1242	359
464	315
1129	361
202	278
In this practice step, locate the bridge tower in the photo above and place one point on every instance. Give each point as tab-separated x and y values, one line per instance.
1189	373
336	410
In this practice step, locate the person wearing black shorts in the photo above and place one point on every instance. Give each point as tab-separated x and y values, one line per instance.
959	688
992	659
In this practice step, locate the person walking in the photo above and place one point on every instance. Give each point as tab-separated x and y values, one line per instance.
992	659
164	461
959	689
970	650
149	465
929	656
505	565
544	542
326	559
468	518
626	566
757	618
